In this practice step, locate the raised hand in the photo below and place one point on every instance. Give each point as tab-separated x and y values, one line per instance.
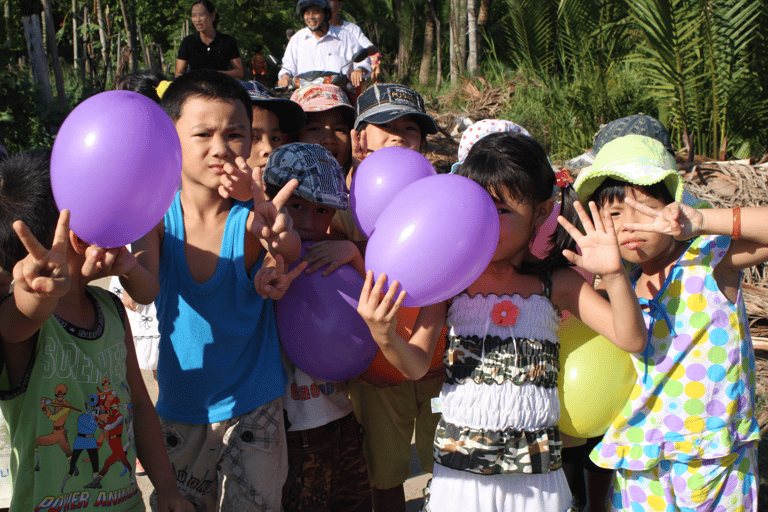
237	181
100	262
377	309
599	246
43	272
271	220
333	253
272	282
676	219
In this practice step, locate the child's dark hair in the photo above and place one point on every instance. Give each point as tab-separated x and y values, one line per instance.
144	82
612	190
26	195
208	7
204	83
516	164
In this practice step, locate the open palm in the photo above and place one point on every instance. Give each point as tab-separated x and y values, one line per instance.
598	244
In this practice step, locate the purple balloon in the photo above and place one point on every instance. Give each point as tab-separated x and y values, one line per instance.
116	166
436	237
379	178
320	329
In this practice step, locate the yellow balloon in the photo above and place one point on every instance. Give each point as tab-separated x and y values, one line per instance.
595	380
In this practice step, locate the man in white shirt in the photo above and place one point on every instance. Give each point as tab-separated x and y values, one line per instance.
337	21
321	47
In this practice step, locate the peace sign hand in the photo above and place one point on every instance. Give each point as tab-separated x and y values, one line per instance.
43	272
599	246
271	220
272	282
236	181
676	219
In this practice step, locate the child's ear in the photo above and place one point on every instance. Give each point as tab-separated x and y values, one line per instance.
542	212
78	244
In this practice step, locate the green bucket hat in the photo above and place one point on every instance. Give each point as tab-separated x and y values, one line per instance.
636	159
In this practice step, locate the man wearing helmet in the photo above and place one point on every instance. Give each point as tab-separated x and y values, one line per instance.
320	46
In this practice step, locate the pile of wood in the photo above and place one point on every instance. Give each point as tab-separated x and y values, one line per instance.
737	183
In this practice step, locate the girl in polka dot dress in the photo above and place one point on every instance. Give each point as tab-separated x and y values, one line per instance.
497	446
686	440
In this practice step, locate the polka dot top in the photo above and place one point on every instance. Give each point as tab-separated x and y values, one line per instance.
694	395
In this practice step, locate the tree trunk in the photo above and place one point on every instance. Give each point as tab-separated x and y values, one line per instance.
406	26
482	20
452	41
144	52
86	37
130	31
439	53
105	57
462	36
7	18
54	51
34	37
471	37
429	43
75	39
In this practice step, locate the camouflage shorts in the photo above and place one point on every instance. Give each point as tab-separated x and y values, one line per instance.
326	468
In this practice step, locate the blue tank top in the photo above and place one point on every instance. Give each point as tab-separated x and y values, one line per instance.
219	351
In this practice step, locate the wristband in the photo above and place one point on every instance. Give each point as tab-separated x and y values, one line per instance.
736	223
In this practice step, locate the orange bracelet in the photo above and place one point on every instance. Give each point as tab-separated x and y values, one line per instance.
736	223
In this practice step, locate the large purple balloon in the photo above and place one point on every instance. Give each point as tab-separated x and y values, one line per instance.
116	165
436	237
320	329
379	178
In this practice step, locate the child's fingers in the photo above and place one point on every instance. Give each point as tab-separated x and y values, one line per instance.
570	255
285	193
332	265
33	247
296	272
596	218
645	210
585	220
61	236
378	286
570	228
386	302
608	223
396	306
279	265
365	293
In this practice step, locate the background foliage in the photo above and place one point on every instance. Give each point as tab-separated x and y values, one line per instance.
566	66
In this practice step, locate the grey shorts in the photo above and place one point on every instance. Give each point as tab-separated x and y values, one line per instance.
240	464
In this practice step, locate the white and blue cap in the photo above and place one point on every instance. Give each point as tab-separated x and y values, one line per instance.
289	114
321	178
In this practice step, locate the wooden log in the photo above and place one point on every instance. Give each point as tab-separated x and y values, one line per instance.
34	38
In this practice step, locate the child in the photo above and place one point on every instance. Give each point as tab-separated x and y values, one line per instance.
274	120
330	117
497	447
62	340
219	372
393	411
326	464
687	438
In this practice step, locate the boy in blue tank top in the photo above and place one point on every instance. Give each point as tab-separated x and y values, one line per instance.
69	370
220	375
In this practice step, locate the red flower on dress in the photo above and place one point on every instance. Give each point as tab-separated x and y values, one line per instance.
505	313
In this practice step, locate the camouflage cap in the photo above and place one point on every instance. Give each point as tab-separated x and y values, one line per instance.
321	179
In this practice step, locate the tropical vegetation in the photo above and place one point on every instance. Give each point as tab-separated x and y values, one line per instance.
565	66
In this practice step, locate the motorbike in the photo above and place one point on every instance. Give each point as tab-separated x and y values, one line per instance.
320	77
